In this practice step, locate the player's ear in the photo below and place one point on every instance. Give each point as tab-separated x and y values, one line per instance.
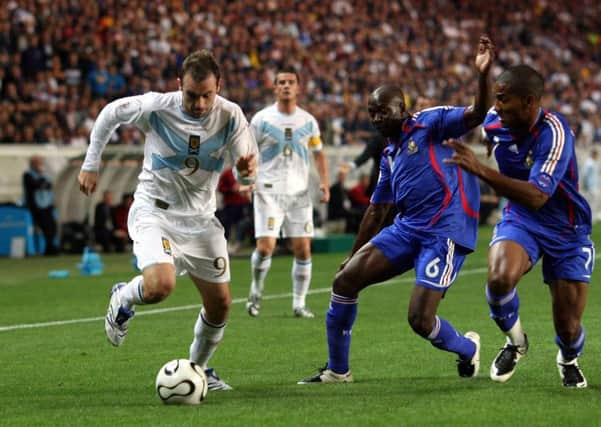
218	85
529	100
179	83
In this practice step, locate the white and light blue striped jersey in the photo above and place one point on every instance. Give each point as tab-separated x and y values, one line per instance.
183	155
284	142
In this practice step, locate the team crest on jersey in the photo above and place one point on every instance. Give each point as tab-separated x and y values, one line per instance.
412	147
288	134
287	150
528	162
193	144
166	245
270	223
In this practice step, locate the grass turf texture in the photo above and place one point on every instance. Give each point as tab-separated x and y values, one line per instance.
70	375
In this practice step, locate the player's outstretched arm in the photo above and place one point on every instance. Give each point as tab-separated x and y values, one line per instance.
324	182
114	114
518	190
475	113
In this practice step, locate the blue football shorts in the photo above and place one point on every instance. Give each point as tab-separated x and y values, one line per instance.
569	256
436	260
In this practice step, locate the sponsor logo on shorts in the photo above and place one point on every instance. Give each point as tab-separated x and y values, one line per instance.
166	245
270	223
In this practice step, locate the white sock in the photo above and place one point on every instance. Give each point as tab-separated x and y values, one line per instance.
301	279
259	267
133	292
206	338
516	334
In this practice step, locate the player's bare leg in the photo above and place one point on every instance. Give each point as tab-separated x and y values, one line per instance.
569	301
154	285
441	334
507	263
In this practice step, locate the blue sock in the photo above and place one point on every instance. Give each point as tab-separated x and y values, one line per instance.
339	323
504	308
445	337
573	349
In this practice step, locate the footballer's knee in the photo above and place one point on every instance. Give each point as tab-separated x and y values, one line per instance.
157	288
501	282
217	308
346	284
265	247
420	322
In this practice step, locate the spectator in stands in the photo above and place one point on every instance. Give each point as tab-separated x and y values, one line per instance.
373	150
489	204
105	232
590	183
120	215
339	203
358	194
236	211
39	199
343	51
423	102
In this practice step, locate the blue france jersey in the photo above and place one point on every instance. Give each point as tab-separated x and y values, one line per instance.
546	158
431	196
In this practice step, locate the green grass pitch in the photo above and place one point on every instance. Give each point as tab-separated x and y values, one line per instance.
67	373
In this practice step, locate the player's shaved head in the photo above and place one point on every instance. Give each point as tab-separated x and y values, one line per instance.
386	93
386	109
522	80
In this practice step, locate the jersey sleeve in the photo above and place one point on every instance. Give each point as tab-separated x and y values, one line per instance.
128	110
450	122
256	125
315	143
241	140
551	159
383	191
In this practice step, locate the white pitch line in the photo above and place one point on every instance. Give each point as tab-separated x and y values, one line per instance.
197	306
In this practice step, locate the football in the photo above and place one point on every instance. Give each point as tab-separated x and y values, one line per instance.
181	381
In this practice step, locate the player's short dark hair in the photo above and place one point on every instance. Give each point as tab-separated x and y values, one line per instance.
523	80
286	69
200	65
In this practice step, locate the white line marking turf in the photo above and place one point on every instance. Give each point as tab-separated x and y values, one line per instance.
197	306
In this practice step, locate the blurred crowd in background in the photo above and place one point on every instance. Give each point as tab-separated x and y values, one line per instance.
62	60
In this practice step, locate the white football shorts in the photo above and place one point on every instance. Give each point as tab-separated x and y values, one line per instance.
193	245
292	214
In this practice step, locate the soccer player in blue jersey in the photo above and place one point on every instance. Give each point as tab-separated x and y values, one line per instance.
434	231
545	217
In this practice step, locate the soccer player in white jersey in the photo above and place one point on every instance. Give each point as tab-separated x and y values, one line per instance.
285	134
190	135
